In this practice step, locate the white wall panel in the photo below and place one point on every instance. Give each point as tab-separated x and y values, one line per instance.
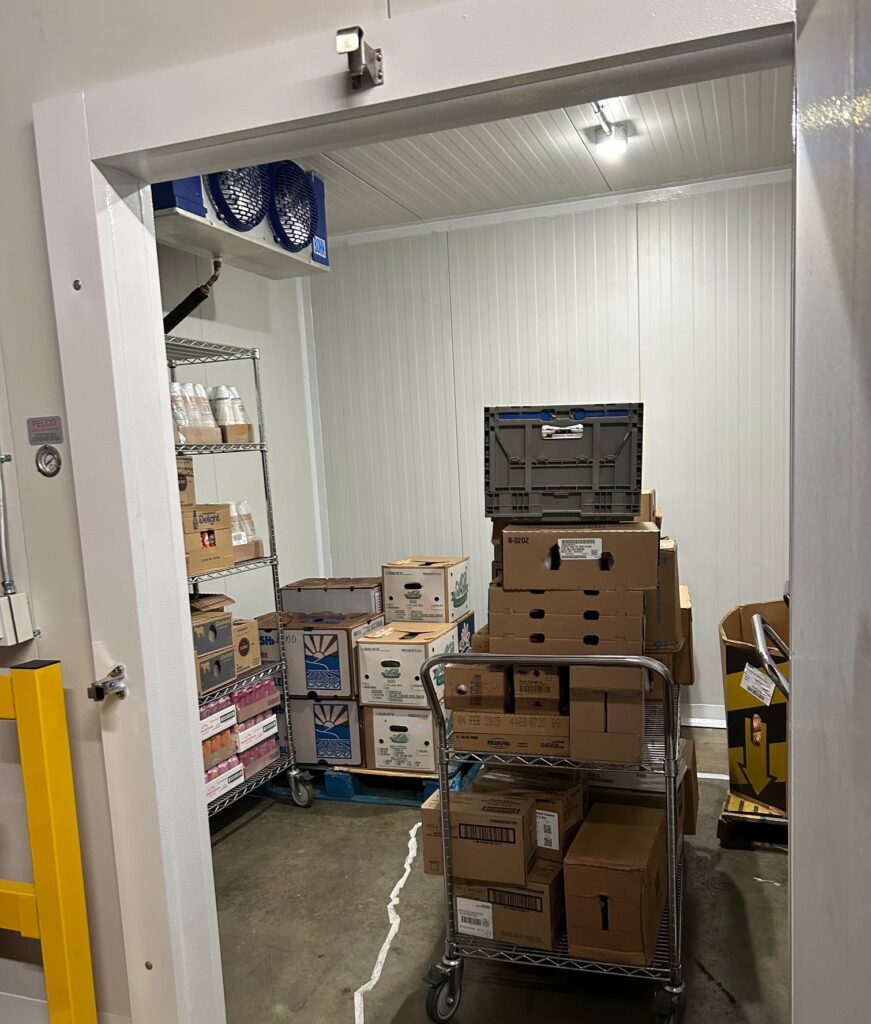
714	298
385	375
542	311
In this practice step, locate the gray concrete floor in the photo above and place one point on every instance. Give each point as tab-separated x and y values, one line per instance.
302	898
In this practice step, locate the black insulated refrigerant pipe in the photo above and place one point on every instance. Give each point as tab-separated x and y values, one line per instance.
188	304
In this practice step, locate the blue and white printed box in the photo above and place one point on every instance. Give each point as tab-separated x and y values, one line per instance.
326	731
321	651
390	659
465	631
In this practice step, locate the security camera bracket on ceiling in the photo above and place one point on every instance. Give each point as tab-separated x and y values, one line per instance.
365	65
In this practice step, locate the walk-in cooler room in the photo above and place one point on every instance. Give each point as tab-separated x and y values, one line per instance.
521	263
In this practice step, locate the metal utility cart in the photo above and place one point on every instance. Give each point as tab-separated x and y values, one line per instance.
191	352
662	730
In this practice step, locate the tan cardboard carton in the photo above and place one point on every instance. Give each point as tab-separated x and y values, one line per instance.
321	650
684	658
589	605
538	691
648	508
662	617
215	670
212	631
390	658
237	433
426	588
492	836
208	542
477	687
336	594
594	557
607	714
616	885
400	739
246	644
528	915
543	735
560	801
481	640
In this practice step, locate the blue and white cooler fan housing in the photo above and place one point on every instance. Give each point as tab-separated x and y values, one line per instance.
278	204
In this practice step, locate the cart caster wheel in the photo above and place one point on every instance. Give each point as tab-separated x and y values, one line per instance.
302	793
441	1005
671	1006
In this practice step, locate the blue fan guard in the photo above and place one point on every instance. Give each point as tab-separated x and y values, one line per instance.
293	207
241	196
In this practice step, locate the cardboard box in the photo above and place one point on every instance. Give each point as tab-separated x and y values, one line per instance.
594	557
538	691
390	658
560	799
662	617
246	644
757	733
590	605
224	783
399	739
201	602
360	594
530	915
212	631
542	641
217	721
326	731
237	433
215	670
477	687
246	711
262	762
247	551
320	649
607	714
465	631
616	885
197	435
481	640
492	837
648	508
218	753
542	735
684	658
200	518
646	798
187	492
426	588
207	538
249	735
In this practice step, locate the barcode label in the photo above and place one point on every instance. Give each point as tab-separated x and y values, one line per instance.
547	829
580	548
516	900
532	688
487	833
475	917
757	684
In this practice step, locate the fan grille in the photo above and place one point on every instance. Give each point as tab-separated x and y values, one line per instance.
292	206
241	196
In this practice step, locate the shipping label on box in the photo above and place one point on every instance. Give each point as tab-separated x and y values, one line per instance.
326	731
217	721
399	739
224	783
362	595
537	690
390	660
321	651
600	557
250	735
426	589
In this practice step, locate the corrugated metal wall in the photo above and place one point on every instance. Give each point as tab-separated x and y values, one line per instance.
684	304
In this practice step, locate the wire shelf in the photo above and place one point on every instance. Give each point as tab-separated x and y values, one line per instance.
218	449
192	351
274	670
253	563
255	782
658	970
653	763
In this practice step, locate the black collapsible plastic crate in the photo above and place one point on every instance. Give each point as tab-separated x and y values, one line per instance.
563	462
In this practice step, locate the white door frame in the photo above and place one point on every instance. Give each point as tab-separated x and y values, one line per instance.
444	65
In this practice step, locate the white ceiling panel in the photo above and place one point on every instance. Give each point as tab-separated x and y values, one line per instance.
687	133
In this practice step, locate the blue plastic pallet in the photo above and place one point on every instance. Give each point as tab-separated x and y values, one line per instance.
363	787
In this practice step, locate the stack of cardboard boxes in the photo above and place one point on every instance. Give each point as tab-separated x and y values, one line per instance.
358	664
238	731
539	853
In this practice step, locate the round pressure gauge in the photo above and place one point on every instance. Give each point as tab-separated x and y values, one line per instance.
48	460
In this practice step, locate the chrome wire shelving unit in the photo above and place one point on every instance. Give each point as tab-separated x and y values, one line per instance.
193	352
661	750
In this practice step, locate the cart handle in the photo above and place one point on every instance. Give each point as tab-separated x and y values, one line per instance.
555	661
761	630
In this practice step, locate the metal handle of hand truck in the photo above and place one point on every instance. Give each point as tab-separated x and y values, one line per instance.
761	631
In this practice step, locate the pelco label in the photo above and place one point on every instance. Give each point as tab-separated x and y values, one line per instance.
576	549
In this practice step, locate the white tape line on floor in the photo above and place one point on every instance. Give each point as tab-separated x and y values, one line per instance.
393	917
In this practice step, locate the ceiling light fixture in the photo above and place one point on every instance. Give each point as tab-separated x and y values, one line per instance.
612	140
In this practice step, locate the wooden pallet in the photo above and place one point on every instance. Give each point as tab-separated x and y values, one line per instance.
369	786
744	824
